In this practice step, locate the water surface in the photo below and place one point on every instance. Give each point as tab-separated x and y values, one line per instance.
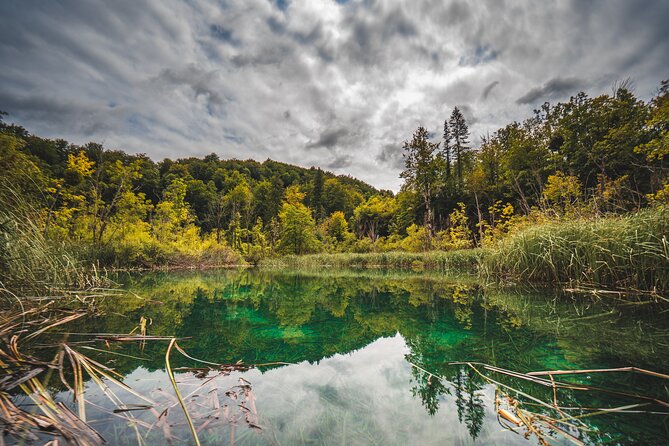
367	360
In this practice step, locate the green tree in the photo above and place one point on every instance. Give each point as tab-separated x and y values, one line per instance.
239	201
316	195
658	123
596	138
421	173
340	197
173	215
562	191
267	197
111	181
407	205
657	149
459	134
372	217
336	226
298	227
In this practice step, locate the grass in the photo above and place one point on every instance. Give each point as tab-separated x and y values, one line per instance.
29	262
27	258
628	253
442	261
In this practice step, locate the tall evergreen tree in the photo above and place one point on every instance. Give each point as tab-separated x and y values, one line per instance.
447	149
460	137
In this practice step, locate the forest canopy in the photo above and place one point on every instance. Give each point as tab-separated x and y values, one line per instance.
583	158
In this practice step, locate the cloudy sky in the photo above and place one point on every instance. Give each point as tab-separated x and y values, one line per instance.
337	84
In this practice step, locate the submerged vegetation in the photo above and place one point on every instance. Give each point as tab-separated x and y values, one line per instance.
206	358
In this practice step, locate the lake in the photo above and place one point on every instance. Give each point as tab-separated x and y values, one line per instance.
366	358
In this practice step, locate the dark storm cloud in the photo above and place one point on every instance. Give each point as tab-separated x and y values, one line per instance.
340	162
371	28
391	155
557	87
488	89
201	82
87	118
330	138
315	83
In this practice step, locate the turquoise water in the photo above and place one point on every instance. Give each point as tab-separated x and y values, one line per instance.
366	359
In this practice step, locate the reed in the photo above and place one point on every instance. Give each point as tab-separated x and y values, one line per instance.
29	261
625	252
443	261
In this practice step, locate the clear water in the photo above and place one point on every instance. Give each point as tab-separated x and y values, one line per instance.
368	360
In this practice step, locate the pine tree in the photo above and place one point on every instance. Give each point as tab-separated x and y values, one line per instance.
447	150
459	134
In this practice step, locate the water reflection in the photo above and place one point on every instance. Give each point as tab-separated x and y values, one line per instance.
371	353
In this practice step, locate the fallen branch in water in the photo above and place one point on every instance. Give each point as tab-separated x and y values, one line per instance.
580	372
45	415
176	390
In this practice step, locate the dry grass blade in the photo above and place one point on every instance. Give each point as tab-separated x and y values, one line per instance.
581	372
97	370
137	338
65	320
176	390
13	379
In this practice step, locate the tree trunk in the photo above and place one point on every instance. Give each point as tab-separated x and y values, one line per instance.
478	210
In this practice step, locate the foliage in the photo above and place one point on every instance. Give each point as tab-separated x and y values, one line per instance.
458	235
373	217
562	191
297	225
422	165
658	123
582	159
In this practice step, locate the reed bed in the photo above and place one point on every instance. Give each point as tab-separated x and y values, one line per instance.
30	262
626	253
442	261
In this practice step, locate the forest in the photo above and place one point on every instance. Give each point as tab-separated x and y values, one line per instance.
599	161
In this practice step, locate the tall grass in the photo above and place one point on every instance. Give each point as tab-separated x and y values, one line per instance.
627	252
28	259
465	260
621	252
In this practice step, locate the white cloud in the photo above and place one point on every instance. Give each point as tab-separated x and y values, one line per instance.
322	83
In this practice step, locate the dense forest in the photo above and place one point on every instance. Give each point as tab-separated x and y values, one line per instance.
585	158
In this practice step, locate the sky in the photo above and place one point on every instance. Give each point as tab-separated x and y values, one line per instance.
335	84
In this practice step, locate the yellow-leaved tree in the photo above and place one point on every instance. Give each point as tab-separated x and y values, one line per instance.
297	224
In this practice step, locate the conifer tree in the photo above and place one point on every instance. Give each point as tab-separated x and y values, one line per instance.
460	137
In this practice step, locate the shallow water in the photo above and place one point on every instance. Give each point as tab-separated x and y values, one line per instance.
367	360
